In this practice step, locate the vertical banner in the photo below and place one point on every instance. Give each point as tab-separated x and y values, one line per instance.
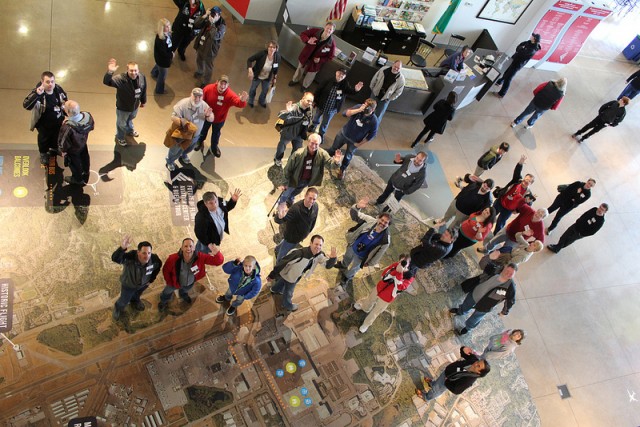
240	6
6	305
549	27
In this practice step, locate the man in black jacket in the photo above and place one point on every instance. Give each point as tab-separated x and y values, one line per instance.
140	269
182	30
609	114
131	93
568	199
433	246
587	225
298	221
473	198
407	179
329	97
457	376
72	142
633	86
524	52
212	219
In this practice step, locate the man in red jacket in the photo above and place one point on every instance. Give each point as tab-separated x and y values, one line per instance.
220	98
319	48
529	222
182	269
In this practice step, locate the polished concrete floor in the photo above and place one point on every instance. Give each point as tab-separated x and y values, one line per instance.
578	307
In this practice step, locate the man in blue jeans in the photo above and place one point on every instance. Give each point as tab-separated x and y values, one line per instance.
361	128
297	264
329	97
140	269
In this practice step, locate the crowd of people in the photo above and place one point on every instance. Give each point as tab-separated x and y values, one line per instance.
478	213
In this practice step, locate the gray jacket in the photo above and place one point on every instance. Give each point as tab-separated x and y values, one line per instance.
297	122
37	103
292	267
394	91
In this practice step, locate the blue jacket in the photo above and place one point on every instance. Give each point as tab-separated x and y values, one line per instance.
368	128
236	274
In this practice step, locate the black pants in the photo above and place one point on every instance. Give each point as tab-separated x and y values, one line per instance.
568	237
505	80
596	125
460	243
181	39
426	129
387	192
562	208
48	139
79	164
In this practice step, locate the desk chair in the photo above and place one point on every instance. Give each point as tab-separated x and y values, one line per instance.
455	43
419	57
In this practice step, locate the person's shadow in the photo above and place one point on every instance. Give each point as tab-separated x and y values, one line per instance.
60	195
128	157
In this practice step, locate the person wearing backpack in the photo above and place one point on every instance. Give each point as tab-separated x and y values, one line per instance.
611	114
547	96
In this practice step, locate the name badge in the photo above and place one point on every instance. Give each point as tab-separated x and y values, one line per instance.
305	123
582	195
339	97
169	43
56	108
219	102
358	122
275	65
501	292
221	97
325	50
149	270
201	41
339	92
138	90
195	269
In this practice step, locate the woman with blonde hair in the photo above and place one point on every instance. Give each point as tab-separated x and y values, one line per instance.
547	96
162	53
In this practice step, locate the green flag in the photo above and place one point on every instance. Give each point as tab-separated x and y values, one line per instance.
446	17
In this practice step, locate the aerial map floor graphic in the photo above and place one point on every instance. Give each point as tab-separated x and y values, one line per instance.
194	365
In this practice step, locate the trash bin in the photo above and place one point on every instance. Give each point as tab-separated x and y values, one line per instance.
632	51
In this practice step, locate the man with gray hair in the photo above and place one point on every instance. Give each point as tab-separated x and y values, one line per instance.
188	110
72	142
528	221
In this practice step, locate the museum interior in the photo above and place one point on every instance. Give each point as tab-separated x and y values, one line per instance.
63	358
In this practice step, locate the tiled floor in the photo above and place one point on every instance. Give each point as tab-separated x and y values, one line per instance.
579	307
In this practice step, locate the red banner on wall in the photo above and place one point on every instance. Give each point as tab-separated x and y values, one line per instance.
573	39
549	27
241	6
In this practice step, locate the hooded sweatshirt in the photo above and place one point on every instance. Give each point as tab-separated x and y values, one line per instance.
74	133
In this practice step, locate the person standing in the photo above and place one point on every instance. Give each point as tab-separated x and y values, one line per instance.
474	197
436	122
387	85
488	160
407	179
503	344
46	103
395	279
433	246
140	269
244	282
329	97
184	268
611	114
72	142
319	48
131	94
298	263
513	195
296	125
487	295
529	222
367	242
305	168
220	98
473	230
262	69
547	96
457	376
361	128
212	219
207	43
568	199
588	224
183	30
456	60
194	111
298	221
633	86
524	52
162	54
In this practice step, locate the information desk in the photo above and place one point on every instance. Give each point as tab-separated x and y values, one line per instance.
390	40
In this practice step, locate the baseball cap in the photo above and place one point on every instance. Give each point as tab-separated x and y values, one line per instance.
536	37
343	70
224	78
197	91
216	9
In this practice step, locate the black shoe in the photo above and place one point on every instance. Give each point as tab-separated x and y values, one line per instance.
182	56
121	142
292	83
116	313
198	146
454	311
162	307
294	307
72	181
187	299
461	331
217	153
138	305
250	104
339	265
231	310
553	248
263	104
44	159
220	299
414	143
303	89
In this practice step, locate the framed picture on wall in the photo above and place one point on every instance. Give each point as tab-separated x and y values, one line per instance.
505	11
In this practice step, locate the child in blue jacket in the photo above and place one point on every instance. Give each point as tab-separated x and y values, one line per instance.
244	282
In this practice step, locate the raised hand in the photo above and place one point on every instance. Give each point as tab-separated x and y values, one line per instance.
236	195
359	86
362	203
126	242
112	65
333	253
244	96
213	248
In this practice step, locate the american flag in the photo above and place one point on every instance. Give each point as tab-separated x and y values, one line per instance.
338	10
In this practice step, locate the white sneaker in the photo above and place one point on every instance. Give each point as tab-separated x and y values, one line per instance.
357	306
458	182
363	329
528	127
277	162
513	124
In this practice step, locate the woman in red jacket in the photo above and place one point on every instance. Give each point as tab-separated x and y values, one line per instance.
473	230
395	278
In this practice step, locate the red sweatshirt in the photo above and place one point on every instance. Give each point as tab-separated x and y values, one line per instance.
221	102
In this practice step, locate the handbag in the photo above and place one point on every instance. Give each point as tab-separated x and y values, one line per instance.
270	93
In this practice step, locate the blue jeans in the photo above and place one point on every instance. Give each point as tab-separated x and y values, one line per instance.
229	296
338	142
326	119
381	108
437	387
160	74
629	91
263	95
176	151
502	215
202	248
291	192
500	237
124	122
296	143
351	262
215	133
286	288
167	293
283	248
465	307
128	295
531	108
